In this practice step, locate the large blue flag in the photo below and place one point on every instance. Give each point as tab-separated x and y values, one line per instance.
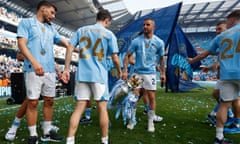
179	71
165	22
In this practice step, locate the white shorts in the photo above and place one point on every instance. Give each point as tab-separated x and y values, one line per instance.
84	91
148	81
218	85
40	85
230	90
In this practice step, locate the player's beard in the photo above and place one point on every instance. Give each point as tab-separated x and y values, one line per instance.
46	20
146	32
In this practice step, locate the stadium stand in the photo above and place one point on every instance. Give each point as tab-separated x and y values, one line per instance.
200	39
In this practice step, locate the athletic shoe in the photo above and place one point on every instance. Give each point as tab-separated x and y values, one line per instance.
212	119
157	119
229	121
33	140
130	125
222	141
11	134
85	120
55	128
232	129
108	143
52	136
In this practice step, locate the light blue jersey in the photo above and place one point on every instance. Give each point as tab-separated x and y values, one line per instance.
146	52
95	44
228	43
40	40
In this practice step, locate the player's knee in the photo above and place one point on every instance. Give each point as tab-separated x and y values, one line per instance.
48	102
33	104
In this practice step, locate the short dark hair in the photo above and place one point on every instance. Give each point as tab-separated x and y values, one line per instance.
151	19
46	3
103	14
221	22
235	14
148	19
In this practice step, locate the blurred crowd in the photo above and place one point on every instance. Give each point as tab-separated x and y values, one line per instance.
10	15
7	42
8	66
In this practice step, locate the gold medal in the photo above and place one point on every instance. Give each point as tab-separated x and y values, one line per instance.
146	45
43	52
43	29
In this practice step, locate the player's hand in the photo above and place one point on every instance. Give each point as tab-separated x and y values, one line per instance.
163	80
124	76
38	69
190	60
119	75
215	67
65	76
59	75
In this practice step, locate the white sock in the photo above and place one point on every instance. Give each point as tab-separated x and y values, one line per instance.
151	114
16	123
18	119
219	133
105	140
33	130
70	140
46	127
